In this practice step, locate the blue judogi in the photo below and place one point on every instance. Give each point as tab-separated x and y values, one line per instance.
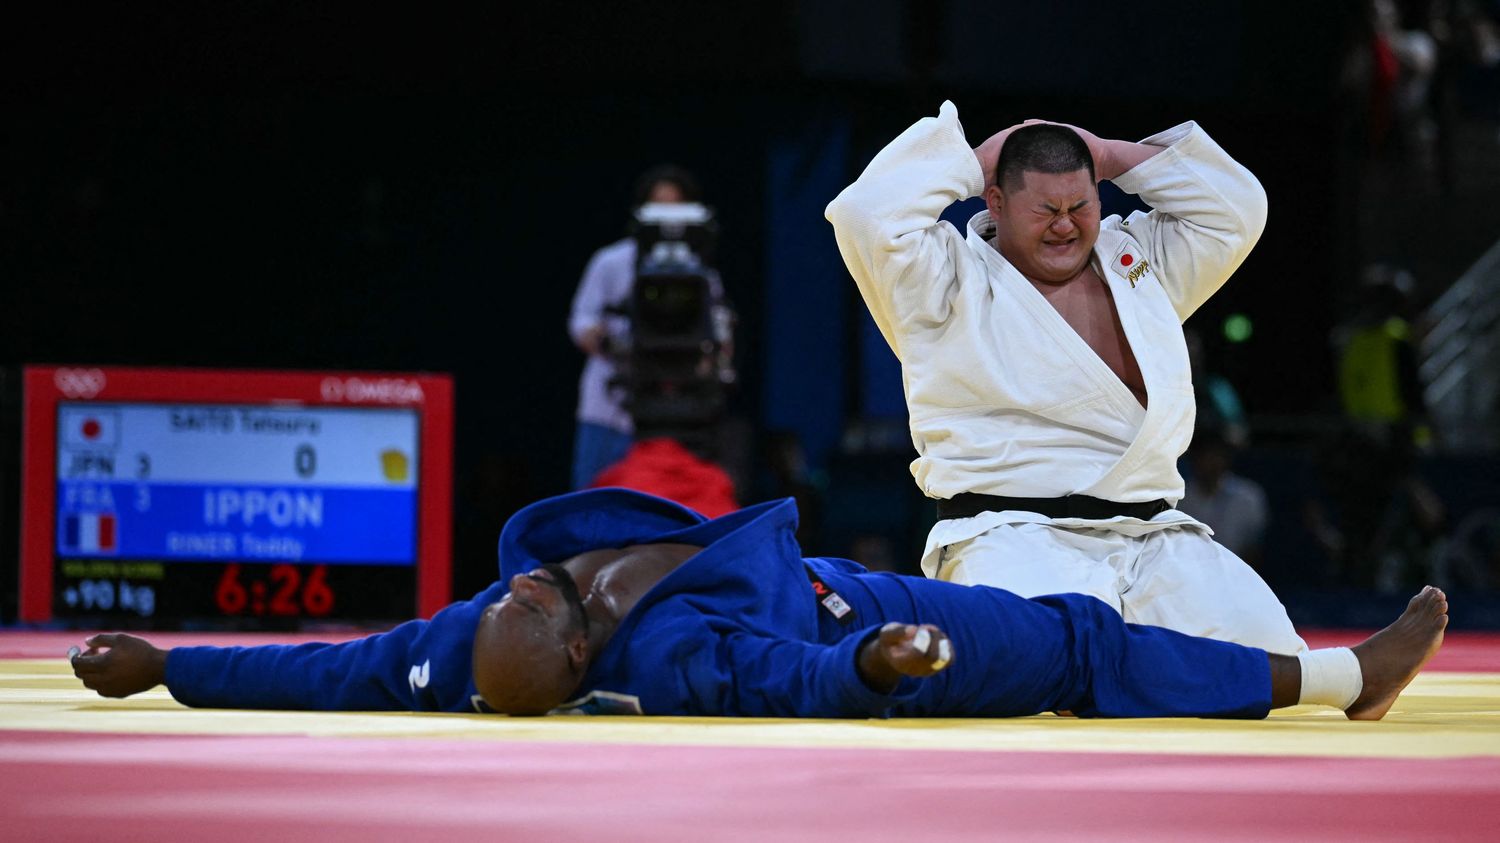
738	630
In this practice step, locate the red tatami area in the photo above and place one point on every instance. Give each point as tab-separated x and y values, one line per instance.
78	768
158	788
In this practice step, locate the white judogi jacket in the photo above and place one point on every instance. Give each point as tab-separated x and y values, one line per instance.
1005	398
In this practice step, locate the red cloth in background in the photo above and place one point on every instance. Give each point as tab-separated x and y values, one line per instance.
664	468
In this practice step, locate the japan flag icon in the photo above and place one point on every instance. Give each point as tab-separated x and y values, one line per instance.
90	429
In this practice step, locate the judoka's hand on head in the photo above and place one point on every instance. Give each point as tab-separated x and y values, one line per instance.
1112	158
901	649
988	152
1099	149
1107	164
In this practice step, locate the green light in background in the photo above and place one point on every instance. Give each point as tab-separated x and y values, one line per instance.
1237	327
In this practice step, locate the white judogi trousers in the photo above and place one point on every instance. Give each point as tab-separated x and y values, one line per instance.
1179	578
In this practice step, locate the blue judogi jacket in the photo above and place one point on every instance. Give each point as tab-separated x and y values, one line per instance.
738	630
734	630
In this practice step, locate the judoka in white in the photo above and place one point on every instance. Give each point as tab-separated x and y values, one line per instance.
1043	357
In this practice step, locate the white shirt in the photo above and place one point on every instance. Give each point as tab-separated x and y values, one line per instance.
607	281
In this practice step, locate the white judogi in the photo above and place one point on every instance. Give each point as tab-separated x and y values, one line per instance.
1006	399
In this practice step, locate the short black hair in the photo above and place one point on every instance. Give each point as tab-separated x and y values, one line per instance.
1041	148
671	173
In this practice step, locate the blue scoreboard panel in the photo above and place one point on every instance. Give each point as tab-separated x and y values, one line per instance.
246	483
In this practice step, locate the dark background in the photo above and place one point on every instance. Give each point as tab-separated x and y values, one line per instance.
341	186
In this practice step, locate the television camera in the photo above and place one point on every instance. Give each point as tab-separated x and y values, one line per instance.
675	365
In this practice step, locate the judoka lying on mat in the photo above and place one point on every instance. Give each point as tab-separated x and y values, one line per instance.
616	602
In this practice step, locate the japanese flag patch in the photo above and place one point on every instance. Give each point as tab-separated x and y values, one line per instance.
1130	263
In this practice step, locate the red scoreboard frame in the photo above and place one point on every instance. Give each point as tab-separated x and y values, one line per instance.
430	395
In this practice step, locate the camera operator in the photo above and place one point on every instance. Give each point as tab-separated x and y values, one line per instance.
597	324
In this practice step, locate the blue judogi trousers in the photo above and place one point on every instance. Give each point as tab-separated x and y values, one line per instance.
1066	652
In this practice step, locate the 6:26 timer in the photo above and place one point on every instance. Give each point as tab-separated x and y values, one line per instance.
285	592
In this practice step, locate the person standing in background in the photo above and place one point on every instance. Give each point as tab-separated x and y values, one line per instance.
597	321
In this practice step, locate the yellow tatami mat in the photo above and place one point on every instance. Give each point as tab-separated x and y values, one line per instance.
1441	715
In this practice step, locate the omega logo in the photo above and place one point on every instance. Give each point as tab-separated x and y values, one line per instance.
79	383
378	391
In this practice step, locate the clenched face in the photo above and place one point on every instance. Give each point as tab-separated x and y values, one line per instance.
1046	225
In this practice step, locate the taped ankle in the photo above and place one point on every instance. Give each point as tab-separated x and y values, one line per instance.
1330	677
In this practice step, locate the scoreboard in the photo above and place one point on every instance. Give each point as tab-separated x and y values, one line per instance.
169	496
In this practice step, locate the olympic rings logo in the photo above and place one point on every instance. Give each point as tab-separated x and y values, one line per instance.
79	383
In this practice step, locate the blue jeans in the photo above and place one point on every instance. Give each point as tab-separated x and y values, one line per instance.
595	448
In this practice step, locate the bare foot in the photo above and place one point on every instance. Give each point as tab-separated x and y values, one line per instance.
1392	657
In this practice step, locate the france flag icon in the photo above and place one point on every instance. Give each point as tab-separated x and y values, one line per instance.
89	532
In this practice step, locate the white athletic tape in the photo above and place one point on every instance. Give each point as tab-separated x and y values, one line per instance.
922	640
1330	677
945	655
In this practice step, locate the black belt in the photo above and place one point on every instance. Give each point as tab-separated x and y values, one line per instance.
968	505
